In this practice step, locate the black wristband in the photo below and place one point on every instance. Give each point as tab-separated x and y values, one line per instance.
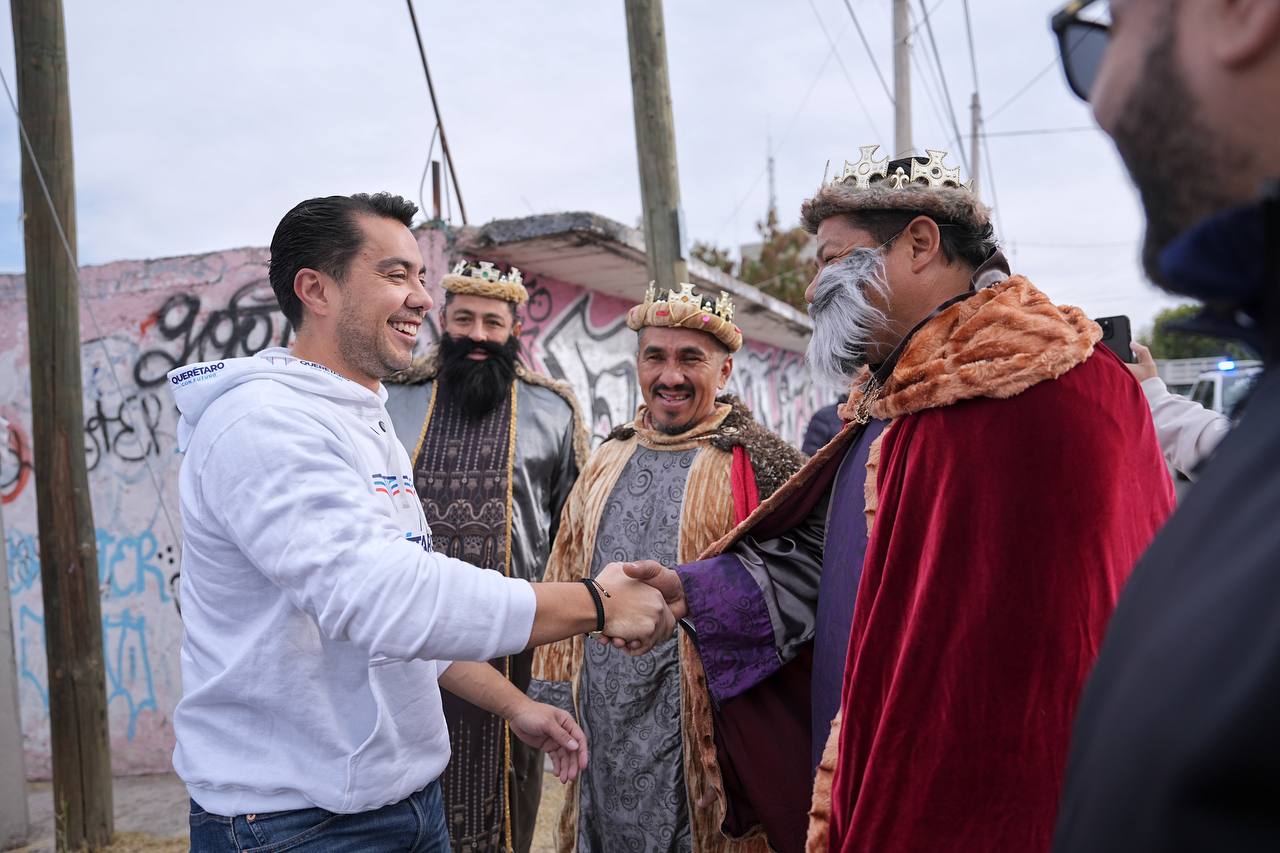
597	601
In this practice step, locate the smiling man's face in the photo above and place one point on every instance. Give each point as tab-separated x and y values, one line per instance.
383	300
680	371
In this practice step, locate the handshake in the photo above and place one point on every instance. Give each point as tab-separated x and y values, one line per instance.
644	602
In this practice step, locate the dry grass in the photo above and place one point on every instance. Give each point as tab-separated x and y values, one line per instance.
544	832
125	842
544	835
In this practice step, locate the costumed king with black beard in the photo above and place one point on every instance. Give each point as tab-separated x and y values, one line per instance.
495	449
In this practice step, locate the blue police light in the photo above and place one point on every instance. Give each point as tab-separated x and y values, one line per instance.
1226	364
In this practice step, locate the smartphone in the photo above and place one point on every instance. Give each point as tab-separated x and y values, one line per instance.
1116	336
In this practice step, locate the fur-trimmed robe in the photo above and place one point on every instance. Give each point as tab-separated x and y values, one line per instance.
736	452
1013	490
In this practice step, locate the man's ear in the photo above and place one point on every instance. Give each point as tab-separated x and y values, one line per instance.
315	290
1240	31
924	240
726	370
517	329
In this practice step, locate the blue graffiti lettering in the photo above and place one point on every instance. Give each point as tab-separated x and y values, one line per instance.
31	660
125	563
124	651
23	556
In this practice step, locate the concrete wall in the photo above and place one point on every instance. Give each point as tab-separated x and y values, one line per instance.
139	319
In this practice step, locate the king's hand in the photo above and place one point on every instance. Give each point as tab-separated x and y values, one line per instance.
636	613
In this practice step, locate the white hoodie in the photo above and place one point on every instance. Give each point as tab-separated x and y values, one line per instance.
315	613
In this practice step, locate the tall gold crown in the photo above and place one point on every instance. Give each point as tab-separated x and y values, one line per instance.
687	309
869	170
722	307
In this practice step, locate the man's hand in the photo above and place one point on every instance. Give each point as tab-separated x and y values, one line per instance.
552	731
635	612
1146	367
664	580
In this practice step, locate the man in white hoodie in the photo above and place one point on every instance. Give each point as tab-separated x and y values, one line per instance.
319	624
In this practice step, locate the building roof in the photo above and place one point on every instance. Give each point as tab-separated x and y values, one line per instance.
600	254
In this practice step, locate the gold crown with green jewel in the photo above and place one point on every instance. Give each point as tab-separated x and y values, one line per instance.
483	278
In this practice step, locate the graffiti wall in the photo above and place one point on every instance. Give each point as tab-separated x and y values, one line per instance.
140	319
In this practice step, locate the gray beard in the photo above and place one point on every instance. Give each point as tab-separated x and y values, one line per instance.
1166	146
845	324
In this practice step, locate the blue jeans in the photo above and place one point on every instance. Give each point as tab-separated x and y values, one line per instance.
414	824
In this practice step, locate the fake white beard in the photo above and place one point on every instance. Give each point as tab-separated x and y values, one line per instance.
845	323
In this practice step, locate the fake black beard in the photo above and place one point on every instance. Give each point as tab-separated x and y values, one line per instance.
478	386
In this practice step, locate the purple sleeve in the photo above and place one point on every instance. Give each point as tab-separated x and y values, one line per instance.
735	635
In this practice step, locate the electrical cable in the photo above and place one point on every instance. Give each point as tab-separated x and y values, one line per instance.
847	76
431	150
866	44
435	106
75	272
946	91
1018	94
1043	131
804	101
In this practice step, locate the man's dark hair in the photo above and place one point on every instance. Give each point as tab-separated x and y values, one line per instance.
323	234
969	244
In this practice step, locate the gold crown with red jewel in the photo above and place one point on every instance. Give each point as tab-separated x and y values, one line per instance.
685	309
484	279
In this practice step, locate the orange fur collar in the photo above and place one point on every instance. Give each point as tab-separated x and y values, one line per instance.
997	344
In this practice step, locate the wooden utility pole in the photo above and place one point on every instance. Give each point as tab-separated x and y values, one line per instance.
902	145
68	556
656	144
975	134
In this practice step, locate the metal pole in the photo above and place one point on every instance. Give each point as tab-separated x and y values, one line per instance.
975	118
901	80
435	106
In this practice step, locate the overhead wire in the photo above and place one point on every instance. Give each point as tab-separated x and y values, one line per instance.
100	337
435	106
946	90
426	167
1026	88
926	83
847	76
1043	131
870	54
804	102
984	151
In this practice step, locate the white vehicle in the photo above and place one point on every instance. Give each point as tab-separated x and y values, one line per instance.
1223	389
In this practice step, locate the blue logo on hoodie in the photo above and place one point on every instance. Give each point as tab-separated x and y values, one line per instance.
196	372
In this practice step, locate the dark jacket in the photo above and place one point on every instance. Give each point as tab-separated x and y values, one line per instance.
1176	743
823	427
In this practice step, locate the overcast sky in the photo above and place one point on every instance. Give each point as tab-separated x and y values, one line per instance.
198	125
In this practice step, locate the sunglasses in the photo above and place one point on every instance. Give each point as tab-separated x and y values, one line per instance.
1081	44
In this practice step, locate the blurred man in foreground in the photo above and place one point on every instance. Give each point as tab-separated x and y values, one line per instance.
1175	744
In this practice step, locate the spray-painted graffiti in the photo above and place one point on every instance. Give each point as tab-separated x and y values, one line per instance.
15	463
124	651
600	364
158	315
249	322
127	429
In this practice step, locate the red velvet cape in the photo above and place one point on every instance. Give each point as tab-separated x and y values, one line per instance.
1004	532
